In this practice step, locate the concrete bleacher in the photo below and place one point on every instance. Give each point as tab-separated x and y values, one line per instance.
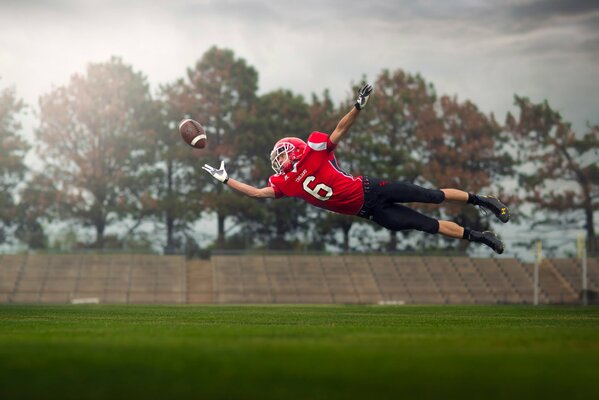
555	286
500	286
338	280
570	270
520	277
306	279
30	283
10	269
451	286
364	282
309	280
199	282
477	287
389	281
593	274
107	278
281	279
418	280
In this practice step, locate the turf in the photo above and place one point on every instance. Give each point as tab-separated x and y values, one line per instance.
288	352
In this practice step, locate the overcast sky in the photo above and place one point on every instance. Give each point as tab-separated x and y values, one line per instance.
482	50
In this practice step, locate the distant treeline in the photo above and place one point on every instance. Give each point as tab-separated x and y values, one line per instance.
110	156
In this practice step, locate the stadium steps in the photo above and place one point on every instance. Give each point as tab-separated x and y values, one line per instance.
32	280
569	288
520	279
558	290
118	280
171	285
365	284
281	278
507	270
60	279
92	277
364	279
477	287
593	273
543	296
142	279
570	271
228	287
389	281
374	278
464	284
501	288
417	280
11	271
199	282
433	272
339	280
256	283
447	281
312	288
431	292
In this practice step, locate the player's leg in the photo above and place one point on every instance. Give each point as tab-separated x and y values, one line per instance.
405	192
397	217
455	195
491	203
451	229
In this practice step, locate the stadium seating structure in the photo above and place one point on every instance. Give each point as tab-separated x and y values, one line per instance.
288	279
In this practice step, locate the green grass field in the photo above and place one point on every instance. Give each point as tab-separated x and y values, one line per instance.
308	352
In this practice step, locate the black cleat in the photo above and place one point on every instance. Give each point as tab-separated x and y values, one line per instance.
494	205
489	238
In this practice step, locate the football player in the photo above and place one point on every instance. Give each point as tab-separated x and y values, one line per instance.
309	170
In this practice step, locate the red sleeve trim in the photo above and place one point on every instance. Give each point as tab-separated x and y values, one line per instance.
330	145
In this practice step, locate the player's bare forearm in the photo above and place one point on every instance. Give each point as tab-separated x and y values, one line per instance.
344	125
349	118
251	191
221	175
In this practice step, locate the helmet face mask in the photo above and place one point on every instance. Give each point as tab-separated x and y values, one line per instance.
277	162
286	153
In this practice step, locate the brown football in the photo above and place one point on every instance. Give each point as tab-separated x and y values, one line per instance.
193	133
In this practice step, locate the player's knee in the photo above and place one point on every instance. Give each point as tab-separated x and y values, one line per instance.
436	196
431	225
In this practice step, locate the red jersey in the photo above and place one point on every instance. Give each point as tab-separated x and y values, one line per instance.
317	179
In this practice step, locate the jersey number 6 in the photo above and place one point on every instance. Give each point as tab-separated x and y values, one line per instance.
321	187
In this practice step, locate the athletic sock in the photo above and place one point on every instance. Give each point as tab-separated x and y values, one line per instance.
466	234
473	199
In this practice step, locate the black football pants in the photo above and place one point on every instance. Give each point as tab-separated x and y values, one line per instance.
381	198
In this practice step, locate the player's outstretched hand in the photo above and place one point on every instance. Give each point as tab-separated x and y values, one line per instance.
363	96
218	174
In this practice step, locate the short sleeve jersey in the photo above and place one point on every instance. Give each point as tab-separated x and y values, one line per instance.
318	179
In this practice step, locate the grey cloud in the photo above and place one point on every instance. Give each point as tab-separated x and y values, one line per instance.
546	9
543	13
591	46
542	34
251	11
592	22
333	11
34	6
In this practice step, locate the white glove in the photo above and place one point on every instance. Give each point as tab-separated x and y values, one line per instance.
218	174
363	96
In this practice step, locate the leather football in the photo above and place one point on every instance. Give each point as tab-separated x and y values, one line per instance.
193	133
